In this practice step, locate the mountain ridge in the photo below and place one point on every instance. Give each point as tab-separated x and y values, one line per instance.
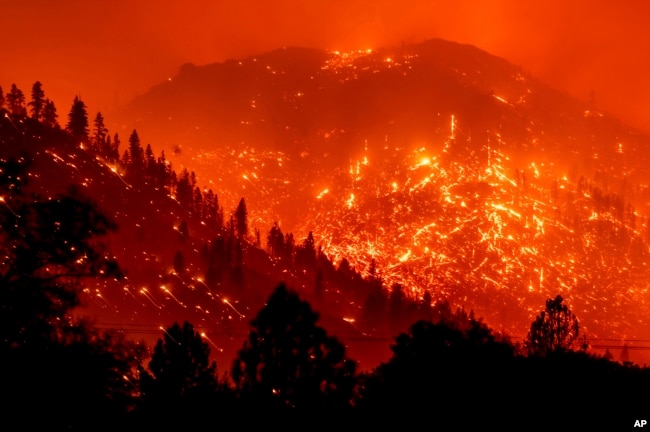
326	108
454	176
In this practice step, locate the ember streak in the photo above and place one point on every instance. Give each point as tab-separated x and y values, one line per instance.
487	236
493	221
477	228
469	193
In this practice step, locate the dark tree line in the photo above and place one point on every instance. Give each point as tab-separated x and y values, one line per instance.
223	261
40	108
289	368
144	170
141	167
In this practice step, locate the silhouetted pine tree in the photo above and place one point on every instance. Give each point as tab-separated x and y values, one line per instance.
15	101
426	309
197	206
556	328
113	149
306	253
241	217
163	172
136	162
37	104
150	167
184	191
50	115
78	120
275	241
289	249
100	133
210	209
258	238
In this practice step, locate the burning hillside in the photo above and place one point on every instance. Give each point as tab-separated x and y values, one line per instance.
458	173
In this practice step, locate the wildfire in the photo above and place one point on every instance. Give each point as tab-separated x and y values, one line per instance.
486	235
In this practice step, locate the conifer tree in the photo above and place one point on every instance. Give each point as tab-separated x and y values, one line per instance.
126	159
275	241
258	238
209	208
100	132
289	247
306	253
78	120
555	329
49	114
15	100
184	190
114	149
105	149
241	216
372	271
163	172
37	104
198	201
136	163
149	163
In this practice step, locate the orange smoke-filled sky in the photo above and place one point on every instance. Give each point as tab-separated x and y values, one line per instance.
109	52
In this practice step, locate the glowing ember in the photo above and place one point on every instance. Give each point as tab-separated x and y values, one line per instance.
488	236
